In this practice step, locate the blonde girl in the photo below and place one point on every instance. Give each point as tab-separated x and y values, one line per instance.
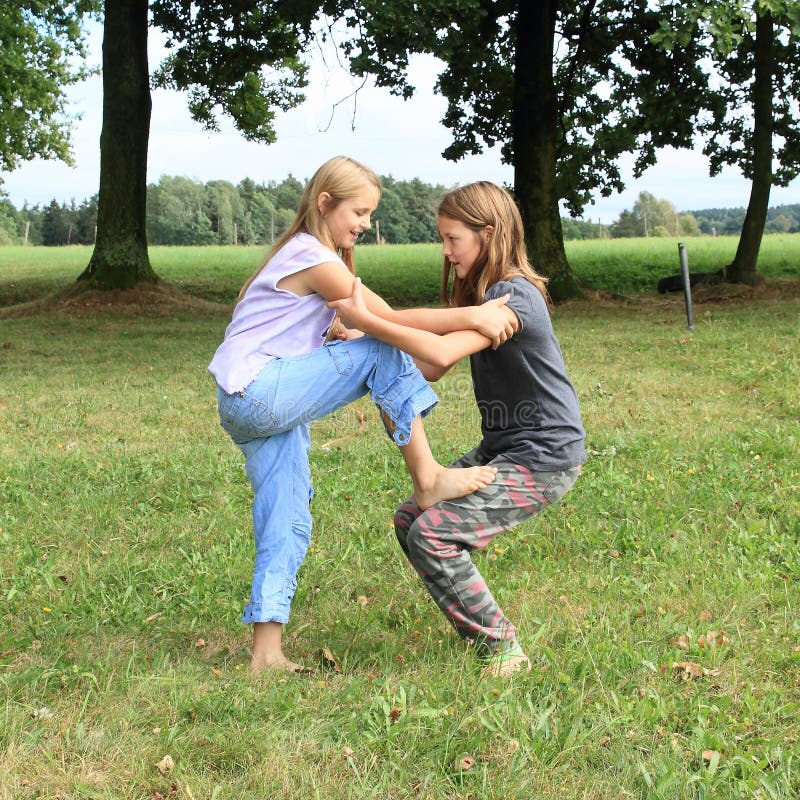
531	426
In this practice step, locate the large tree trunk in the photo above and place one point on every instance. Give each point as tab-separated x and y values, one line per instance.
743	268
534	130
120	258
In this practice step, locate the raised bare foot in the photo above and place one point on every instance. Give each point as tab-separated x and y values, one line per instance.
450	482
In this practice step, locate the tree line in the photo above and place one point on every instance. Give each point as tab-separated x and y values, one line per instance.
183	211
652	216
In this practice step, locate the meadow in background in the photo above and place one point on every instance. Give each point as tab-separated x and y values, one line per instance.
659	600
406	274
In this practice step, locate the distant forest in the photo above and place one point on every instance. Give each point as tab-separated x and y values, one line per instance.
182	211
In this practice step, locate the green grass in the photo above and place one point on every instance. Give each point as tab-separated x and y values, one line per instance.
125	555
628	266
401	273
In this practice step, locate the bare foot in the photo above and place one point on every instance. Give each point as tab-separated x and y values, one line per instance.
279	664
450	482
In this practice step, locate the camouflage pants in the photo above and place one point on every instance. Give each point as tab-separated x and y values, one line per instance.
438	542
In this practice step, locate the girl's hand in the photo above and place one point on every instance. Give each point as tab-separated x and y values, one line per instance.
347	334
352	310
496	321
338	332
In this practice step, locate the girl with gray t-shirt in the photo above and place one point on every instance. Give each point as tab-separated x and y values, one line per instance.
530	420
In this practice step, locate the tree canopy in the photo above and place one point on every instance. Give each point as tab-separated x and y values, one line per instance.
234	56
240	58
565	89
39	44
749	117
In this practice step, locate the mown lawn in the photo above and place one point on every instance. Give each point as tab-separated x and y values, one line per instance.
659	600
404	274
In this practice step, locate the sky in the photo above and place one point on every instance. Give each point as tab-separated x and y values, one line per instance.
396	137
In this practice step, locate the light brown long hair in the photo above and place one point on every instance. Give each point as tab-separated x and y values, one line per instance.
503	256
343	179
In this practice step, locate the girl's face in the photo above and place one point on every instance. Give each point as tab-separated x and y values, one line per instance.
351	217
461	245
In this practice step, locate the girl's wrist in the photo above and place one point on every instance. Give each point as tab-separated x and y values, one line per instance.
475	316
366	320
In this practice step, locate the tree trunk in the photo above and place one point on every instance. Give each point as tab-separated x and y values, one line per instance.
743	268
120	259
534	131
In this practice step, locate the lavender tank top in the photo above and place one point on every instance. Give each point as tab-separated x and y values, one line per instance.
269	322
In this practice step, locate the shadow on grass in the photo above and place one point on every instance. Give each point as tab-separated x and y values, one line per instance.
144	299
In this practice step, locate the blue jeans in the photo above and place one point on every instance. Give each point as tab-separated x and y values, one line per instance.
269	420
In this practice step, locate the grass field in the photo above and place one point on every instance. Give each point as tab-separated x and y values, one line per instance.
659	600
402	273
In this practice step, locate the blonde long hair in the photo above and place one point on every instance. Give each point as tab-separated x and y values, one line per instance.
503	256
343	179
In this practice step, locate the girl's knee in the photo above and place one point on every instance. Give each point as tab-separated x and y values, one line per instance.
420	545
402	524
386	349
404	518
393	359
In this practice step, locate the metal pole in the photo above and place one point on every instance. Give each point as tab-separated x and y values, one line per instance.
687	286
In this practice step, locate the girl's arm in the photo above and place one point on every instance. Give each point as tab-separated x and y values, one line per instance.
430	372
439	352
333	281
491	318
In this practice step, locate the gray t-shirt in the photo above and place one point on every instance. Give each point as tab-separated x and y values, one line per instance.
529	409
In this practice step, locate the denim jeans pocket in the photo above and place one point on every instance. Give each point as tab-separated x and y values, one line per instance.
561	483
341	356
244	416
